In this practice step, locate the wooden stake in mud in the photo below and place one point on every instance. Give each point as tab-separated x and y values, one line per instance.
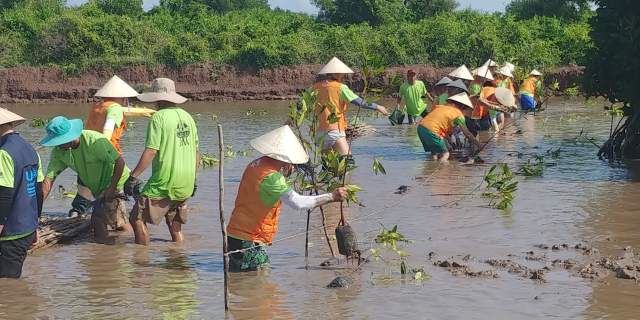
225	248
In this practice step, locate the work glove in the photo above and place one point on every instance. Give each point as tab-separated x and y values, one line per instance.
132	187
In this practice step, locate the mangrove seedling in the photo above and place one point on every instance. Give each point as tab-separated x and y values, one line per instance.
501	186
377	167
533	168
391	240
38	123
207	160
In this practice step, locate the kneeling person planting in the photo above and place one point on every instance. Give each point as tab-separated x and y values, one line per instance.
439	124
263	189
99	166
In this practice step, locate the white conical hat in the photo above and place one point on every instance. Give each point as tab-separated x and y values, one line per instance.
505	97
462	98
505	71
281	144
7	116
335	66
510	66
484	72
535	73
474	72
490	63
116	88
462	72
443	82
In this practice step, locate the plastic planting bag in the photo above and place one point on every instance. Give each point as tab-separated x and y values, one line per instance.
397	116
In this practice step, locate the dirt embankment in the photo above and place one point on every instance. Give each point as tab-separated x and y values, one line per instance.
200	82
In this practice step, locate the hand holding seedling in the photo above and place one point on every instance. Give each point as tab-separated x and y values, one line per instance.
339	194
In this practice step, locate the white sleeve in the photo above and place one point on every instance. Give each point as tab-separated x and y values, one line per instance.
300	202
109	125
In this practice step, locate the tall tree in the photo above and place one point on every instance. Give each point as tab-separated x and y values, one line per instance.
614	71
121	7
421	9
564	9
220	6
374	12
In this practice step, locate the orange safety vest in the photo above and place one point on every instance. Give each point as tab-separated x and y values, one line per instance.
251	220
528	86
440	120
481	110
97	118
328	100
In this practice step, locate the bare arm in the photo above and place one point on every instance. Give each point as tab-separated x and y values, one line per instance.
46	186
118	169
145	160
469	135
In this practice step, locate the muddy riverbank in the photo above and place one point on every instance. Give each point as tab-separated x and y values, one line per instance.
201	82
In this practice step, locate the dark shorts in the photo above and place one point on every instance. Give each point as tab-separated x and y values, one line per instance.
252	259
477	125
12	255
527	102
154	211
431	142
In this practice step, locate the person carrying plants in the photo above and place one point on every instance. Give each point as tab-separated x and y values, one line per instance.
20	195
100	168
412	92
492	101
171	148
331	107
262	191
529	89
440	123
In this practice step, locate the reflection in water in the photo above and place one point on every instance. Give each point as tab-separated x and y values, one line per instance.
253	295
580	198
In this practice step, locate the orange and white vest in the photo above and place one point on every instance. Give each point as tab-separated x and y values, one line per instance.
97	118
251	219
328	101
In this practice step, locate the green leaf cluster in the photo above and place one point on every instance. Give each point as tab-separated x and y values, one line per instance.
501	186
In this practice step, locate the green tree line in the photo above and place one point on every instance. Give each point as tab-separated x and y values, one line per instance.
248	34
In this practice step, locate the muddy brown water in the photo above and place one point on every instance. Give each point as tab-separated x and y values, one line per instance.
580	199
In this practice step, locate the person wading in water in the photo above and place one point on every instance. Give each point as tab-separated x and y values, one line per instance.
263	189
20	196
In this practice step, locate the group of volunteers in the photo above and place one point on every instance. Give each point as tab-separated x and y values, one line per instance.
464	102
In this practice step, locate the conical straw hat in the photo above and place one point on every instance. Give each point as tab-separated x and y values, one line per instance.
462	98
484	72
458	84
281	144
116	88
443	82
535	73
490	63
505	97
335	66
7	116
505	71
462	72
510	66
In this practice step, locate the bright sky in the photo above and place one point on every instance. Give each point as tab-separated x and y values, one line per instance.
305	5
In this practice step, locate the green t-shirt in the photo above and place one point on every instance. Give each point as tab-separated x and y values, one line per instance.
475	89
459	121
442	99
412	95
7	180
116	113
346	94
272	188
173	133
93	160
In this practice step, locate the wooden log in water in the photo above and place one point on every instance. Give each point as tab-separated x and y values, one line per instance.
54	231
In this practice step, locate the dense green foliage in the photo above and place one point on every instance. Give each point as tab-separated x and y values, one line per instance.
180	32
377	12
613	72
564	9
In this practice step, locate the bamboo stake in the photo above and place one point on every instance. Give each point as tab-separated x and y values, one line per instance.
225	248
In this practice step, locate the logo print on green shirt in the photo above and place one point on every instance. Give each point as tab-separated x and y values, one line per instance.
183	132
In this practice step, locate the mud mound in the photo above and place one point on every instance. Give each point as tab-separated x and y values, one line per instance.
203	82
